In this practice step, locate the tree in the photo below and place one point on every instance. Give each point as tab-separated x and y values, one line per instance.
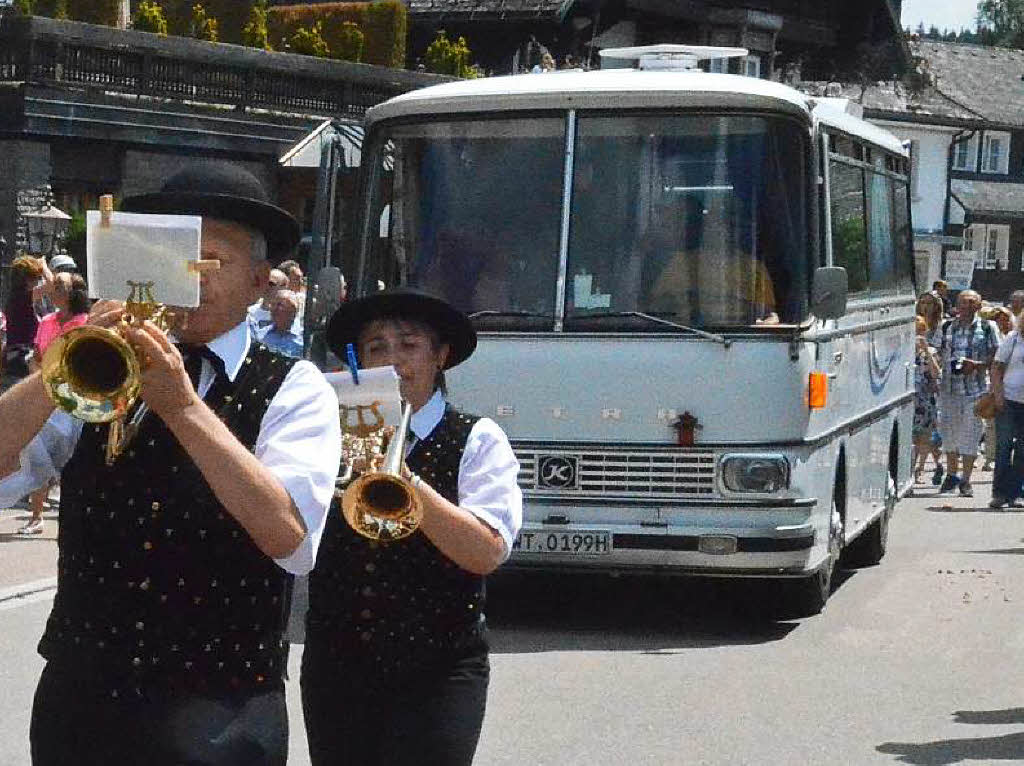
201	26
309	41
255	33
445	57
23	7
1004	19
149	17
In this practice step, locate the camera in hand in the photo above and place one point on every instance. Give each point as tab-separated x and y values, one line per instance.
958	366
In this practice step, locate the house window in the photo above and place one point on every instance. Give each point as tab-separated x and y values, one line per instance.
969	238
991	242
964	153
994	156
718	66
752	66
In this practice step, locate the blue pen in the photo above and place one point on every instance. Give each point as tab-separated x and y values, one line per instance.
350	352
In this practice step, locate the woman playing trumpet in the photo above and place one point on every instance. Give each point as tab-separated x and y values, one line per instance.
395	669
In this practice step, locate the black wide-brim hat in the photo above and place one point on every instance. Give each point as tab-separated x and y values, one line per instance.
224	191
452	326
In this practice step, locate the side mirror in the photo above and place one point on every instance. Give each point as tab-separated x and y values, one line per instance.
828	293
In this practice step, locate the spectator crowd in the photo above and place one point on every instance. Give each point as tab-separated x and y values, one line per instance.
969	386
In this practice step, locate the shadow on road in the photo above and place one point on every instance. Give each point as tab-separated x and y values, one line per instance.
1008	715
979	509
1009	747
544	612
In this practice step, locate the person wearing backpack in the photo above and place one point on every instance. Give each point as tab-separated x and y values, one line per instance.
969	344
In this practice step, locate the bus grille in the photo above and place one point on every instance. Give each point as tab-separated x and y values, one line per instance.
668	474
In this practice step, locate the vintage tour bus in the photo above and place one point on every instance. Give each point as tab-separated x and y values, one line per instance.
695	300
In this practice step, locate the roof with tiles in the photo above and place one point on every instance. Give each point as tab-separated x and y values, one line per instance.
988	81
969	85
990	198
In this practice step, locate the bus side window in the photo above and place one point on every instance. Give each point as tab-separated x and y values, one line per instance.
849	230
881	255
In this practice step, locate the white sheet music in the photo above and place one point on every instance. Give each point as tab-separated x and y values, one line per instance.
377	385
141	247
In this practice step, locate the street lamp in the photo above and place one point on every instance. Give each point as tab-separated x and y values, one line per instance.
46	226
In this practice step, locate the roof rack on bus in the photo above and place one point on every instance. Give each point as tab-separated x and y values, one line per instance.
672	57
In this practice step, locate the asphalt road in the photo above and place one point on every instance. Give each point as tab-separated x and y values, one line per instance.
918	660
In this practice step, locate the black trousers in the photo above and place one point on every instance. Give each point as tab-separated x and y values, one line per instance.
75	723
431	719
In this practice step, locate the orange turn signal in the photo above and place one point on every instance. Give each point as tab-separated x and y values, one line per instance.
817	390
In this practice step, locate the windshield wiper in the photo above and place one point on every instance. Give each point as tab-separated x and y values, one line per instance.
658	320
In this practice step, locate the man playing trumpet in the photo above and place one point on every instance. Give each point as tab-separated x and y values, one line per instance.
164	644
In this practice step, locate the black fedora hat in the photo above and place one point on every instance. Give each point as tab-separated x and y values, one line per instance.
452	326
225	191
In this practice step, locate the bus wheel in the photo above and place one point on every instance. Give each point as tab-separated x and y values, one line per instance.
868	549
810	593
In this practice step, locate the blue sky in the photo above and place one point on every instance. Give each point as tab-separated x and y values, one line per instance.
945	14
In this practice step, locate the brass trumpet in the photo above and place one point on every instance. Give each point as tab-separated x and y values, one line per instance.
93	374
381	504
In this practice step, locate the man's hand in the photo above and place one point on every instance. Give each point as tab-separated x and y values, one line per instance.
166	387
998	400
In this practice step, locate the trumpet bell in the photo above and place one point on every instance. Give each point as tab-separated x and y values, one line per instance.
91	373
381	506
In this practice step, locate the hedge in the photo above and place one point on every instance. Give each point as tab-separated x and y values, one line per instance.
231	17
383	26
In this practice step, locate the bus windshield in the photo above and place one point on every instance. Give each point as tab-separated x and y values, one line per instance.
699	220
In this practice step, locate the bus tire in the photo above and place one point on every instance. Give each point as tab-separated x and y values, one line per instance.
809	594
868	549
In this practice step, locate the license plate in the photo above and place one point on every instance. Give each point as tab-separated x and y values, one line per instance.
580	542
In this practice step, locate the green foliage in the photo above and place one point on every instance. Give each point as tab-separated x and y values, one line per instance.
385	30
91	11
383	25
850	249
24	7
201	26
149	17
1004	20
350	43
309	41
445	57
74	240
255	32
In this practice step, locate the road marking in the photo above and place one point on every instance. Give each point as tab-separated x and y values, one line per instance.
27	593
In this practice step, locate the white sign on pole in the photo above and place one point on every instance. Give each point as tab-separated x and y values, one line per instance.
139	247
960	269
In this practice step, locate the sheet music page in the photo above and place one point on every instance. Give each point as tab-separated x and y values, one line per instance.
378	385
142	247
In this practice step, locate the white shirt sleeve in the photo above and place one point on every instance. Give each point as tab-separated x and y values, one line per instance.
300	442
488	486
1006	347
42	458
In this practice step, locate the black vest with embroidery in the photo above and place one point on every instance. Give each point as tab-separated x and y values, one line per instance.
159	589
385	609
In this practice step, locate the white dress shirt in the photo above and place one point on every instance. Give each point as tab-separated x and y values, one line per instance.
299	441
488	472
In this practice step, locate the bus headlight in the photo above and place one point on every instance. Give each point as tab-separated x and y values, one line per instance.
755	473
